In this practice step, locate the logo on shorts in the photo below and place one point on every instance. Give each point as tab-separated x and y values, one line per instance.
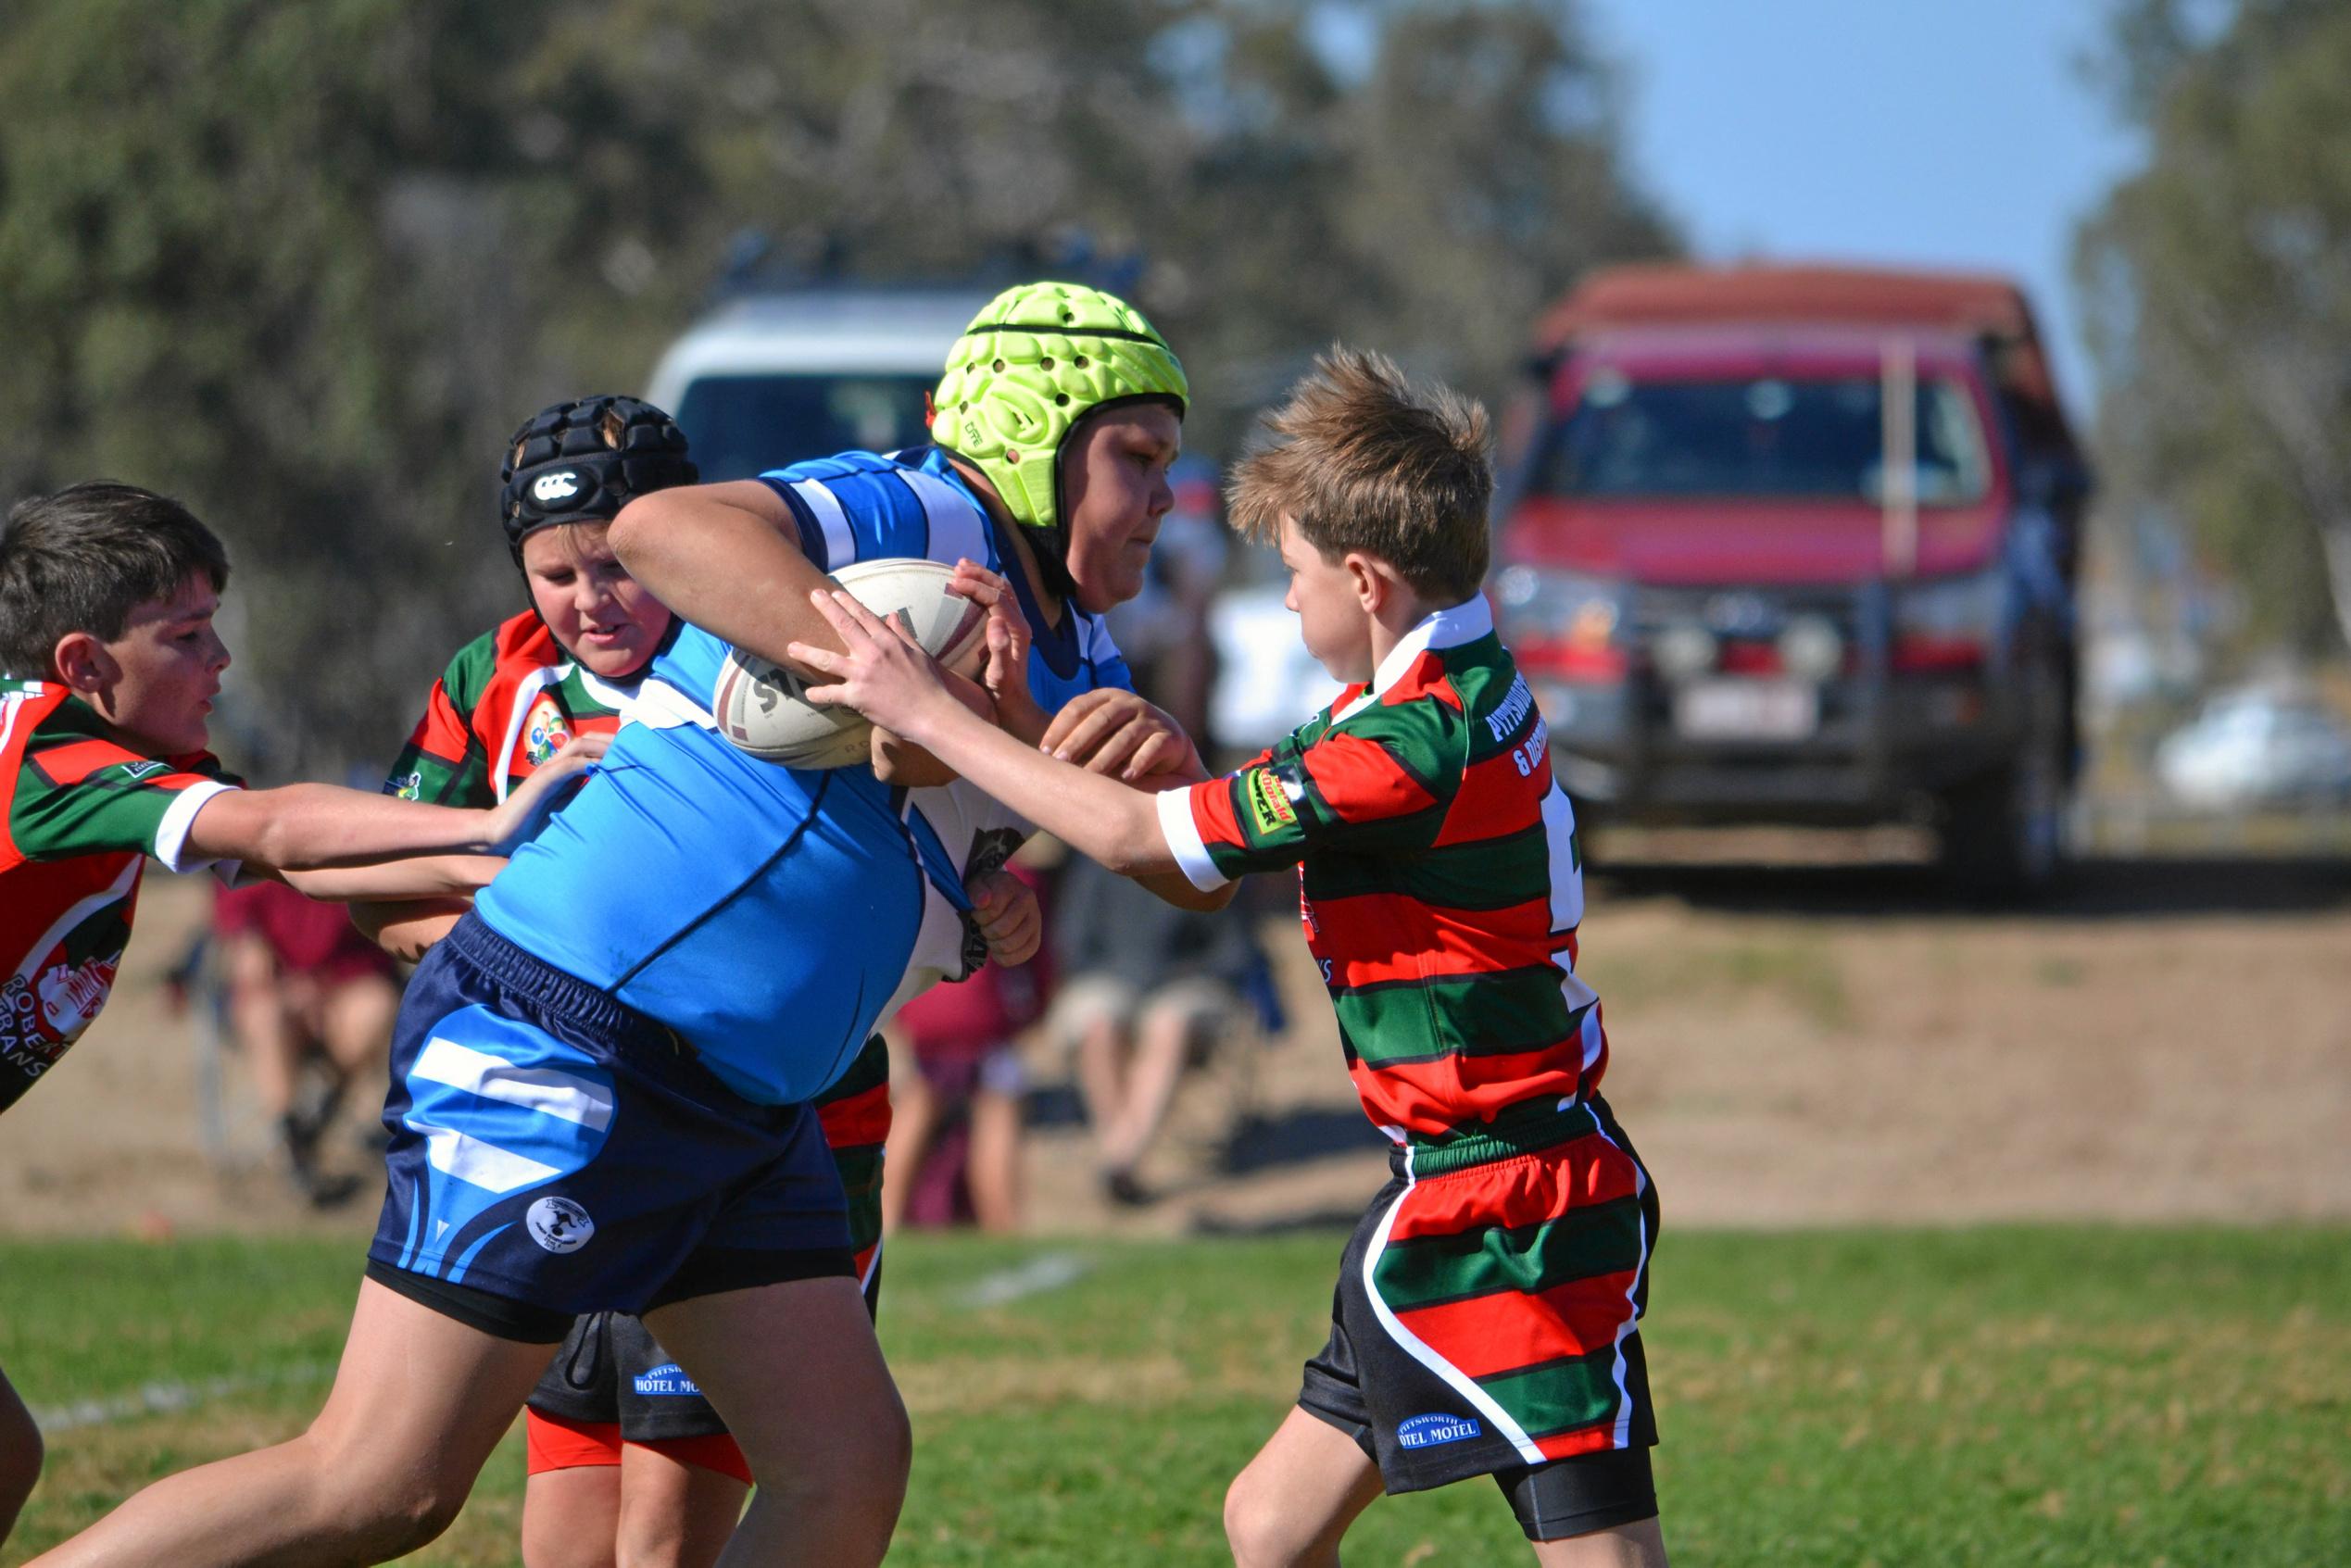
559	1224
668	1378
1427	1431
551	488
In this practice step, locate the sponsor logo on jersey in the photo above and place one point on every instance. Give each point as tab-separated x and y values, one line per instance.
1427	1431
551	487
559	1224
548	731
140	770
667	1380
1269	804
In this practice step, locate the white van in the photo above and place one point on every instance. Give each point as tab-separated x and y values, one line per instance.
771	379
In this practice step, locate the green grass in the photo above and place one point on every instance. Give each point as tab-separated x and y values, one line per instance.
1998	1397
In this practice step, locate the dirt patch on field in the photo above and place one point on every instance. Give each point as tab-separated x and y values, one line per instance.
1826	1043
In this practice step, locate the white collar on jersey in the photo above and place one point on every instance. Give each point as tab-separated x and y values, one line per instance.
1464	622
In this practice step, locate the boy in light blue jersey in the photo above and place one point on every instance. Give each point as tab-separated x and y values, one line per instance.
599	1074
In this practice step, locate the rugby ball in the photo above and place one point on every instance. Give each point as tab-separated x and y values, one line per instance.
762	708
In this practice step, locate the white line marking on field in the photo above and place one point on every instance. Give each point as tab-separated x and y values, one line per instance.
168	1398
1046	1270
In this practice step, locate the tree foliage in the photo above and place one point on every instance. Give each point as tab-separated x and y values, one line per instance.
307	262
2218	281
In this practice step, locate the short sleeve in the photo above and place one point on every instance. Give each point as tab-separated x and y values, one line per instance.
1340	790
95	797
444	762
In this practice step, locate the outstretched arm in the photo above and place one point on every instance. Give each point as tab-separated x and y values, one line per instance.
319	827
889	680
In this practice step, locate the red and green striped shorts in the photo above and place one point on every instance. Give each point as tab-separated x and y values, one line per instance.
1488	1313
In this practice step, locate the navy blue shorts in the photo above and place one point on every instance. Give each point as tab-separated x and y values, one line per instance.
555	1152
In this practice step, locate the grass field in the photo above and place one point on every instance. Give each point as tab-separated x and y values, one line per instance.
2014	1396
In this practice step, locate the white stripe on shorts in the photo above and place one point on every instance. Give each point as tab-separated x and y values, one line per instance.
544	1090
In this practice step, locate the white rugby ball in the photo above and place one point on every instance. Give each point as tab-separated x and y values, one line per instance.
762	708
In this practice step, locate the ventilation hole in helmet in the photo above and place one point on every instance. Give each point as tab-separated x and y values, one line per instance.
1079	361
998	366
1067	314
962	408
1062	398
1011	453
611	427
1046	363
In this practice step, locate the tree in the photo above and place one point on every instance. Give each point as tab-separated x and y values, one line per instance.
307	262
2219	284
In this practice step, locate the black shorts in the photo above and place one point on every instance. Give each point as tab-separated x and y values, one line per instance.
1486	1322
611	1369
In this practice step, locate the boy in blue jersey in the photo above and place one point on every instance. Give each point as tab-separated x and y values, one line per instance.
598	1079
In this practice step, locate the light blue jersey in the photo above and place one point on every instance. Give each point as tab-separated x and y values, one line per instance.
766	914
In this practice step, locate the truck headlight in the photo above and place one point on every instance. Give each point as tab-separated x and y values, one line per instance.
1811	649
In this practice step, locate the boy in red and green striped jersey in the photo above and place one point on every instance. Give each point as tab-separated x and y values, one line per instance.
109	665
1487	1312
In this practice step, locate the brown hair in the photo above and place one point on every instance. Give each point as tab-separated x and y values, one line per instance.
1362	461
82	560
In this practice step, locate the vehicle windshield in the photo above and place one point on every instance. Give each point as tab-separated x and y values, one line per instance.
742	425
1768	436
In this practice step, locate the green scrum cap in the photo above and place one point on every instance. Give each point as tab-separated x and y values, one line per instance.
1037	359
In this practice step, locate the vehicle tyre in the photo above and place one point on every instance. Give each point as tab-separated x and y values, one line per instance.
2002	835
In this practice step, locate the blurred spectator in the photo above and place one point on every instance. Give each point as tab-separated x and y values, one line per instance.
307	993
1149	992
954	1150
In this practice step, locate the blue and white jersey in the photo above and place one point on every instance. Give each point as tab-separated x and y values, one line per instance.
764	913
767	914
861	507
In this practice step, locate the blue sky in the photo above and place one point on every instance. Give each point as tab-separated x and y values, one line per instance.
1927	132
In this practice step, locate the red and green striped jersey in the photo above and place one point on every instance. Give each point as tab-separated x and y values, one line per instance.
1439	877
83	813
510	701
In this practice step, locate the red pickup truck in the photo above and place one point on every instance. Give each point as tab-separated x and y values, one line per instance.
1785	543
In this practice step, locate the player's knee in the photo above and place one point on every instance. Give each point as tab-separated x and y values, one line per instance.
378	1507
1256	1526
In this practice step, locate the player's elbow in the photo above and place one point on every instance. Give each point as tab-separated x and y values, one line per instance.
637	524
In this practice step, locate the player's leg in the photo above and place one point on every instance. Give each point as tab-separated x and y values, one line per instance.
418	1403
1625	1546
20	1455
676	1510
571	1515
1290	1507
1589	1511
796	1372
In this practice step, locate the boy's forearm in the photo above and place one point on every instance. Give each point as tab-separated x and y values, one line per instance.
723	558
1098	817
408	929
310	827
399	882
